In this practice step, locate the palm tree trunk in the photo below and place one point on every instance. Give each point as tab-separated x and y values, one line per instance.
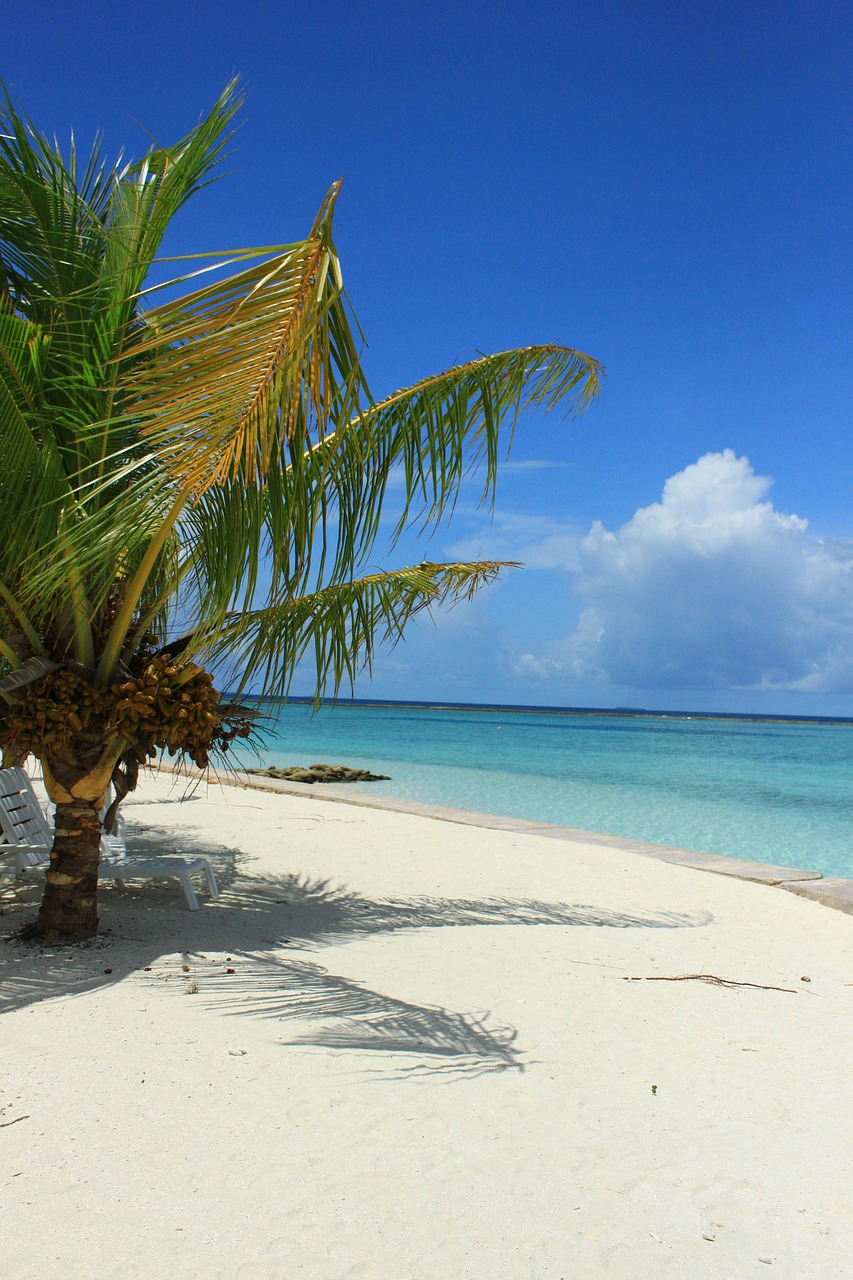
69	909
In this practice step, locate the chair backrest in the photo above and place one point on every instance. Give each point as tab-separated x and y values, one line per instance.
21	819
23	823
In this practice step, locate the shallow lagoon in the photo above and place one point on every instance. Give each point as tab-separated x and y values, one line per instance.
777	791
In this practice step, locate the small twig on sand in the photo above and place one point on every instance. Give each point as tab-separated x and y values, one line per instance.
6	1123
710	977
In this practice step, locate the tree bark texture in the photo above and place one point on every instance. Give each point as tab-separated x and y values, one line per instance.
69	909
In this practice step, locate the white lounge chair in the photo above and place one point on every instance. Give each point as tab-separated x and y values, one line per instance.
29	839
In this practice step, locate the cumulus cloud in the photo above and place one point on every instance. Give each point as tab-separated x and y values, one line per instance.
529	667
713	588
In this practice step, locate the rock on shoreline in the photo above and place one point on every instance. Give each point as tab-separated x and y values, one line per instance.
320	773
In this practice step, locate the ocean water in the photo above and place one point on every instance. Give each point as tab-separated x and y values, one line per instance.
775	791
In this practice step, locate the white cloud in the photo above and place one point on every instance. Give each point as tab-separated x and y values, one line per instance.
713	588
529	667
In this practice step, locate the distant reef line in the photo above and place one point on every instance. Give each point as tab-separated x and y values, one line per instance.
636	713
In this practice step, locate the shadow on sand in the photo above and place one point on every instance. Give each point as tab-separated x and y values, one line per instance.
257	921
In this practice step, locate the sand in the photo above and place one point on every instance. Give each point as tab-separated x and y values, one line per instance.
404	1048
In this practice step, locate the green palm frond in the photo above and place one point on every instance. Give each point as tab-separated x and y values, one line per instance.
342	626
20	400
76	243
441	429
319	515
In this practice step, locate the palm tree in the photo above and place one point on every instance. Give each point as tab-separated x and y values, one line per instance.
196	481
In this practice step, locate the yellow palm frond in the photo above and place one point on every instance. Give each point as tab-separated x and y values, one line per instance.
226	378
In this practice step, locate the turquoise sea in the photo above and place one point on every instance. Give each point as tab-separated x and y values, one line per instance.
774	791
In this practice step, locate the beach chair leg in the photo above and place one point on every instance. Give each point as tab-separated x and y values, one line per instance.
189	891
211	881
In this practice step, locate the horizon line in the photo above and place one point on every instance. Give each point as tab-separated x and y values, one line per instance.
534	709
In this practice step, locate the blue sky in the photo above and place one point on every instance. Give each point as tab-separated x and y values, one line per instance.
665	186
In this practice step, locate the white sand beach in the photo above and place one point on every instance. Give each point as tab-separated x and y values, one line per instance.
405	1048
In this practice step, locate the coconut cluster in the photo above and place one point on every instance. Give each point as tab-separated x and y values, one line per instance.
167	707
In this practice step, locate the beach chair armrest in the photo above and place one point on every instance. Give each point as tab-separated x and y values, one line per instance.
25	857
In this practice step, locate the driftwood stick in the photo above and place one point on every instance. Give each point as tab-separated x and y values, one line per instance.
710	977
6	1123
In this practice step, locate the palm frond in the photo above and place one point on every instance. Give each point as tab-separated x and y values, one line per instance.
341	625
330	499
317	518
27	672
240	370
449	424
75	247
31	477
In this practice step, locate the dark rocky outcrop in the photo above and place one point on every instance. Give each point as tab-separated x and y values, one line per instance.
320	773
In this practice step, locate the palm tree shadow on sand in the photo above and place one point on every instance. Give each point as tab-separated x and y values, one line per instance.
258	920
349	1017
